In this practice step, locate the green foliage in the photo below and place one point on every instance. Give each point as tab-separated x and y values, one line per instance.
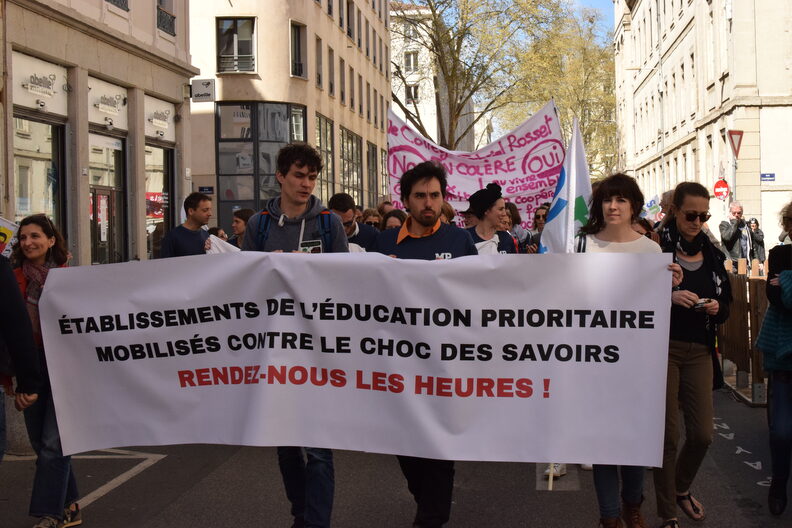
572	64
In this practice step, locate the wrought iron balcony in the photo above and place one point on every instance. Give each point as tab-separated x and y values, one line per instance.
122	4
237	63
165	21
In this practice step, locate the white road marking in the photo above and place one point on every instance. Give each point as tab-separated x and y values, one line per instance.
147	460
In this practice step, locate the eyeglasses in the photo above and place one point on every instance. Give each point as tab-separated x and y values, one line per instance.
540	217
371	223
691	216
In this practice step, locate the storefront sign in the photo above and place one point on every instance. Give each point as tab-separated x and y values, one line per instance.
41	85
38	84
159	119
203	90
464	359
108	104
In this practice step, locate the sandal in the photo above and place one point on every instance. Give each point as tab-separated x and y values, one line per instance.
685	502
673	523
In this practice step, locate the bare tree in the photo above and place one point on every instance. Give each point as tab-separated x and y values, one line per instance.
473	48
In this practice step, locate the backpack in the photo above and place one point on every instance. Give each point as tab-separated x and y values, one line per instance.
580	243
325	230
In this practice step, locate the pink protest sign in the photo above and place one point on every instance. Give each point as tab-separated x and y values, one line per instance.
525	162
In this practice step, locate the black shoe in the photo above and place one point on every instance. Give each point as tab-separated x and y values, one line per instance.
299	522
777	498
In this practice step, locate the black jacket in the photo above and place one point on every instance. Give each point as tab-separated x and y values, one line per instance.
18	354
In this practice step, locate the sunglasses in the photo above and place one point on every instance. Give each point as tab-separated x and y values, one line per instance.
540	217
691	217
371	223
349	224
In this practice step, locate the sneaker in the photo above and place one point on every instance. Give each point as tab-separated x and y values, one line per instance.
587	467
48	522
72	516
557	470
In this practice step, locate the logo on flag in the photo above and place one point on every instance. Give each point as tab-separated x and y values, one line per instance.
573	187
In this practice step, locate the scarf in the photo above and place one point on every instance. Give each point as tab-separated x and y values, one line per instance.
672	241
36	276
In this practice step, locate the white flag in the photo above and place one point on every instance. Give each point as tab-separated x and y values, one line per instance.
569	208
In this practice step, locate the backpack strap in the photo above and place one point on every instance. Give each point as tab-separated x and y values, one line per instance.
263	229
580	246
326	230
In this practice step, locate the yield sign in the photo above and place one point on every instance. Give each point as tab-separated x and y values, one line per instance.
735	139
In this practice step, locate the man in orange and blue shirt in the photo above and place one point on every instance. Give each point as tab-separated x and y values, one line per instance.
424	236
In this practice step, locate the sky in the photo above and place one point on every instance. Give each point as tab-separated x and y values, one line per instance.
605	6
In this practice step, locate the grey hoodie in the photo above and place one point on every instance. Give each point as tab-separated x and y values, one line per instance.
286	234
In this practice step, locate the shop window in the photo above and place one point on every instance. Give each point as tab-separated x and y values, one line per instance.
159	207
38	170
107	175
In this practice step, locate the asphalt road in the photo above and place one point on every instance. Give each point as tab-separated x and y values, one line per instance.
240	487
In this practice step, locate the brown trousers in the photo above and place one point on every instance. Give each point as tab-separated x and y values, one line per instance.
689	387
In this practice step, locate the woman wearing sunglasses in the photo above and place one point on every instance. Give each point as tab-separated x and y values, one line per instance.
371	217
699	304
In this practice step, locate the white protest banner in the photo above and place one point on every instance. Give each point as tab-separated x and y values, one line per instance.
525	162
465	359
218	245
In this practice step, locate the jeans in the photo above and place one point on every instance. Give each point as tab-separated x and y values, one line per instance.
54	486
779	412
309	486
606	482
431	483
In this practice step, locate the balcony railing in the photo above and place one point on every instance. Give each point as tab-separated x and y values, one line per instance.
166	21
237	63
123	4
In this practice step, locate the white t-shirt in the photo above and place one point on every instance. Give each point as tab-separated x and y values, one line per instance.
640	245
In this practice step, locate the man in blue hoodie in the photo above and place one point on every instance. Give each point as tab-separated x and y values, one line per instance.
296	221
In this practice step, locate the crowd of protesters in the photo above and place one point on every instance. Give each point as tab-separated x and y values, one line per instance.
296	220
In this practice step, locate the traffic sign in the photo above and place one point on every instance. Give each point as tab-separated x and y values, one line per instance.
721	189
735	139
